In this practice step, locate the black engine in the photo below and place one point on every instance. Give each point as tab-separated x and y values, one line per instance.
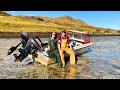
33	45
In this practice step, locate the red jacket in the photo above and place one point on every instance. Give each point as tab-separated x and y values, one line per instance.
59	39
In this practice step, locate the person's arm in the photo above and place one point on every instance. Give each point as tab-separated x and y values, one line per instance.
59	47
49	48
70	46
58	43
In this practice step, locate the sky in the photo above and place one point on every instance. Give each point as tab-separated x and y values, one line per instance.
104	19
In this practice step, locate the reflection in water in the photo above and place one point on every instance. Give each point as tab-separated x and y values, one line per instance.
63	73
70	74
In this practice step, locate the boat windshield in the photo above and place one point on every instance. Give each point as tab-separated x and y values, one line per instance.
70	34
75	35
78	35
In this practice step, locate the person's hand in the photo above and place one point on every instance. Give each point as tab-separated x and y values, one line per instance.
48	48
60	50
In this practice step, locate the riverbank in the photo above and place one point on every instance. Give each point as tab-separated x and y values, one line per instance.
40	34
17	34
105	34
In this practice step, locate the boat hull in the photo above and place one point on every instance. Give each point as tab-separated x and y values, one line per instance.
45	60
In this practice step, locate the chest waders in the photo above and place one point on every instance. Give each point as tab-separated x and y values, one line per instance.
67	50
53	53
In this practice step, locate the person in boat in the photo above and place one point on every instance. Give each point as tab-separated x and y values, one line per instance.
64	45
53	49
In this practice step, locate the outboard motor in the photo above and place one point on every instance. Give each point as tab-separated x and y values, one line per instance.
25	38
33	44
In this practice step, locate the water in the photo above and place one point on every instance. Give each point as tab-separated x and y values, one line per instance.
105	57
102	61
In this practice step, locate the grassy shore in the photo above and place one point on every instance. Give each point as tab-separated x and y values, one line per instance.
40	34
17	34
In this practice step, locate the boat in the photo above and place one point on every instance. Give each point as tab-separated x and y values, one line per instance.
80	41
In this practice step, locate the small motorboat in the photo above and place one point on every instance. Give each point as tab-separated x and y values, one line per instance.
80	41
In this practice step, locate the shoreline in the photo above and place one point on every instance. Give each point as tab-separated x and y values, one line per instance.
17	34
105	34
40	34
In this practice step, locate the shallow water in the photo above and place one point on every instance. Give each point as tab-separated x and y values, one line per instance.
105	57
102	61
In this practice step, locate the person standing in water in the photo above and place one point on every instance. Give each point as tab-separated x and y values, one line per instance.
53	49
63	42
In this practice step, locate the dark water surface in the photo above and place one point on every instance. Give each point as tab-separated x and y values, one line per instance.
102	61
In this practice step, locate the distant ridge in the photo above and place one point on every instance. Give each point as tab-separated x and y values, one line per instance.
31	23
4	14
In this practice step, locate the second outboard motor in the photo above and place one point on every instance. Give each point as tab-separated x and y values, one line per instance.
33	44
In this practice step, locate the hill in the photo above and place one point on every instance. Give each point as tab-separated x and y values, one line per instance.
39	24
4	14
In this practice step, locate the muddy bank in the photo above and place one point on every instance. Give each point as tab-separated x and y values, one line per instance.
40	34
31	34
